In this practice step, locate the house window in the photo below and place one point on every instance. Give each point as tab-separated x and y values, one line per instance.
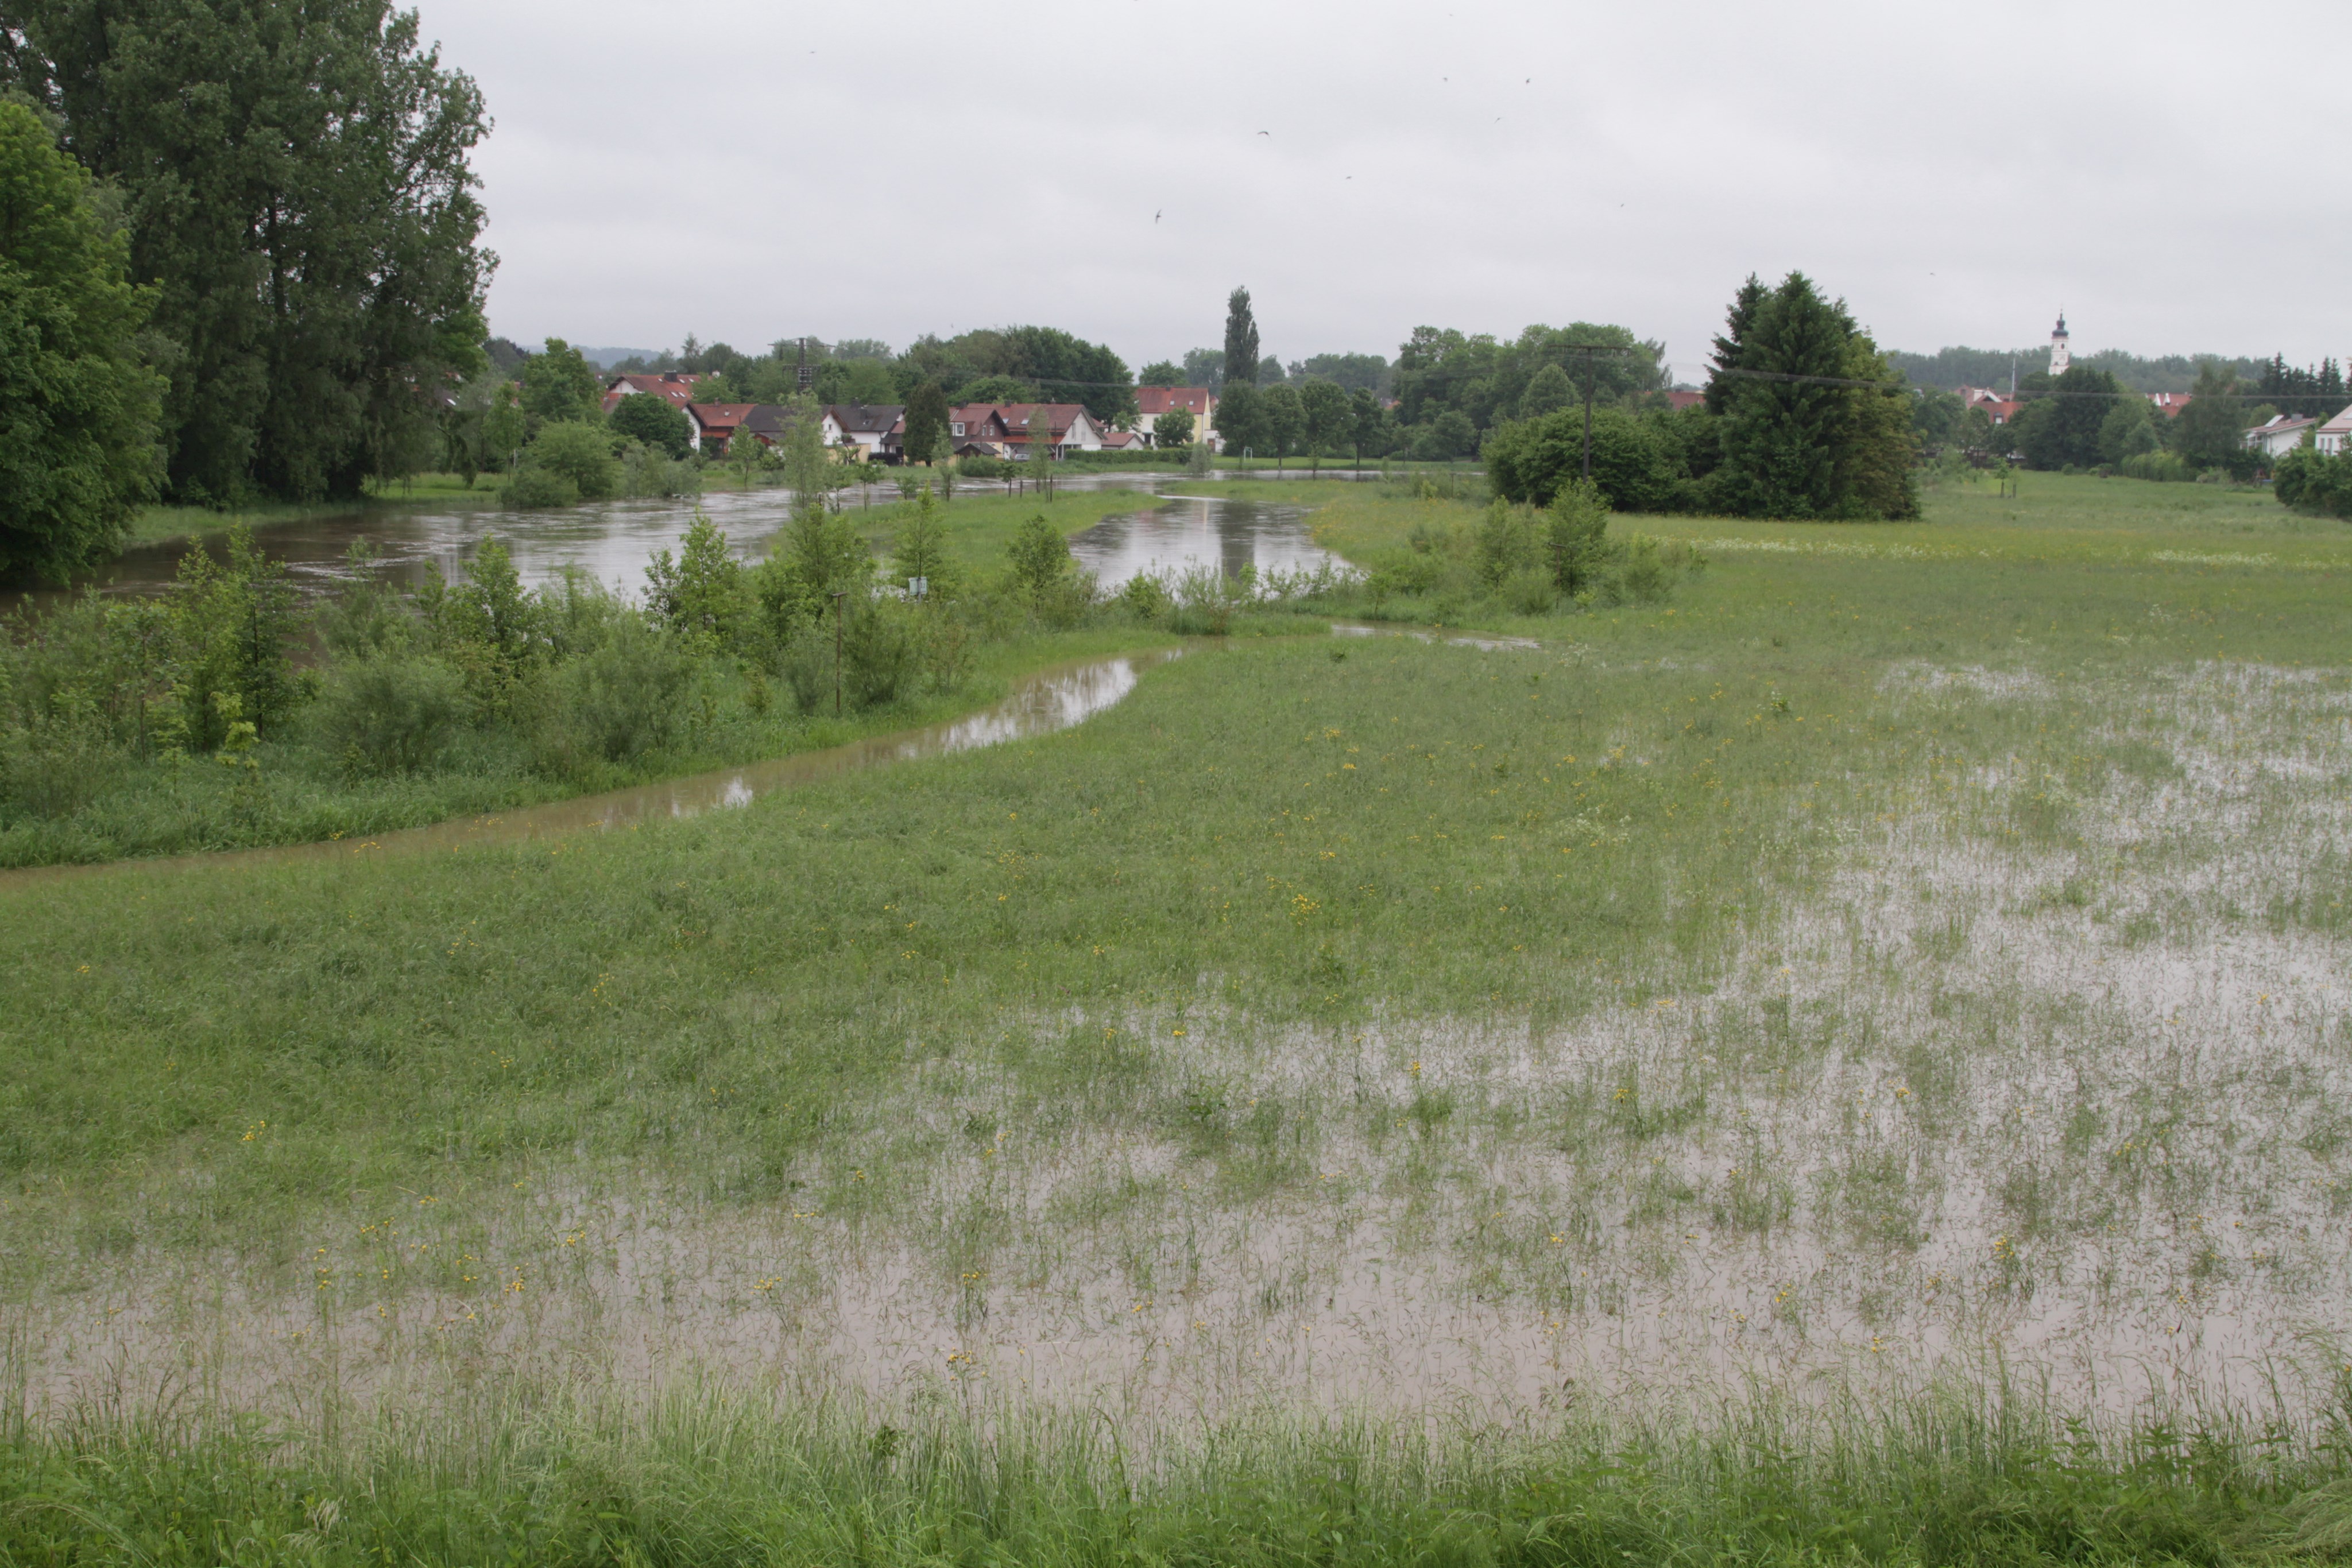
957	429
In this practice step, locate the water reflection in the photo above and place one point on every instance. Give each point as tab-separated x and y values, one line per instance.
613	541
1195	532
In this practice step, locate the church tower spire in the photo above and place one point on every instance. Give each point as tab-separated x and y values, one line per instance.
2059	358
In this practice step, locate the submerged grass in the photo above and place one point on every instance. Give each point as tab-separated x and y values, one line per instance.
1843	1064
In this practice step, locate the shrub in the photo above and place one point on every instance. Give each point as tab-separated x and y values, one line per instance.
390	714
2158	465
55	771
618	701
660	424
1144	598
1531	591
2314	482
1634	462
536	487
1505	544
1644	576
880	653
579	452
1040	558
808	666
1577	538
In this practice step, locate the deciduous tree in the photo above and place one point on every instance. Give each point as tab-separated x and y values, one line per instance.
1324	410
558	384
78	406
654	419
295	178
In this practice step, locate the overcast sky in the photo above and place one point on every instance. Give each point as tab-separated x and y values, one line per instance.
1958	173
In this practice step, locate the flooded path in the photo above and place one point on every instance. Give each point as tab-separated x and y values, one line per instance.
1038	704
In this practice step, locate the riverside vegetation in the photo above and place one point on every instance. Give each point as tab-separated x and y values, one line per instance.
1844	1058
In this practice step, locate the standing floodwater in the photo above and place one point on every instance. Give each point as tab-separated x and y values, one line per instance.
1191	533
613	541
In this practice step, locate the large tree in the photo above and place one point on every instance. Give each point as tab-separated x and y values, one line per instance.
1240	363
927	424
2059	427
559	387
1327	416
2211	432
1814	423
294	176
656	421
77	403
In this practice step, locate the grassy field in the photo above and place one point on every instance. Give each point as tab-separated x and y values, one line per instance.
1847	1063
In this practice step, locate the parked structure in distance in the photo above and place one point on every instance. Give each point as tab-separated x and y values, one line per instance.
1150	402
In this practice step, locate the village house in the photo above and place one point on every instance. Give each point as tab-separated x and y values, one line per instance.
1002	429
2168	405
1998	407
2280	435
678	386
866	432
1150	402
710	424
2332	438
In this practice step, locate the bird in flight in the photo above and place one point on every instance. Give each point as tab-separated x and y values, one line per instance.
1155	217
1266	133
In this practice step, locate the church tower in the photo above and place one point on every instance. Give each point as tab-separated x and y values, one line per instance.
2059	359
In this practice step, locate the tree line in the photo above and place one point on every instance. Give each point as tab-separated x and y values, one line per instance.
294	201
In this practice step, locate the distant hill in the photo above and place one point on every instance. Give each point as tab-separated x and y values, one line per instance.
1951	368
606	359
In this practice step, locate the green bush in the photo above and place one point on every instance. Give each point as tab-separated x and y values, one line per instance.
390	714
808	666
1144	598
2158	465
880	654
52	773
653	419
579	452
2314	482
1529	591
618	701
537	487
1635	462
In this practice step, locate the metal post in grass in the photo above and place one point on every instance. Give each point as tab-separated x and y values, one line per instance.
838	598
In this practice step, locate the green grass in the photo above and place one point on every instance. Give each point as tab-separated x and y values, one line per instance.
1634	1098
299	795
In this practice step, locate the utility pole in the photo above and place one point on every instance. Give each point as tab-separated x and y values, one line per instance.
1587	351
838	598
807	377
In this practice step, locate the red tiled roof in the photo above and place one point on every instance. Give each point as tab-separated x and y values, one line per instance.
1679	401
721	416
675	385
1151	401
1059	416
